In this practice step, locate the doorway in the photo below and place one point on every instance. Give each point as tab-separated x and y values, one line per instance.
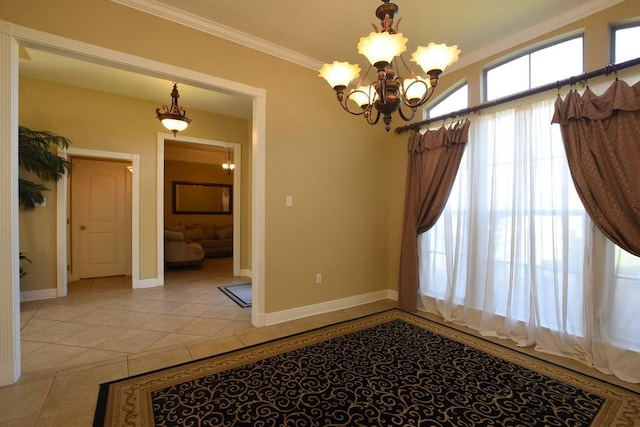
199	150
64	205
14	36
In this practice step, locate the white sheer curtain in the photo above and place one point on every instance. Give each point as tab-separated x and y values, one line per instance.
515	256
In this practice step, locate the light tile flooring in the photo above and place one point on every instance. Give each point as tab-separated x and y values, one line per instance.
104	330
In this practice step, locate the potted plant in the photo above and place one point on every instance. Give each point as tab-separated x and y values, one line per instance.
35	155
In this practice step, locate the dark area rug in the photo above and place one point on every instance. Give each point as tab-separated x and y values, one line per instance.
240	294
388	369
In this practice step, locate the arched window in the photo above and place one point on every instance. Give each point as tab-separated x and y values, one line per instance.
535	68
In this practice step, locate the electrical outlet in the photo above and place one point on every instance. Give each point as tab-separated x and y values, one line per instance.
318	278
288	201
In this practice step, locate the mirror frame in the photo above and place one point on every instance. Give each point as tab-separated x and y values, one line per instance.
207	190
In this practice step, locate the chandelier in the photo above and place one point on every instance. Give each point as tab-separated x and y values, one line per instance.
175	118
389	91
228	167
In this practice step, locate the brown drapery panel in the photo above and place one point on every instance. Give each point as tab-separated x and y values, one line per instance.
434	159
601	136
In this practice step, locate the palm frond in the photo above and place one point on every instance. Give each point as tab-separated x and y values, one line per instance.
35	155
30	194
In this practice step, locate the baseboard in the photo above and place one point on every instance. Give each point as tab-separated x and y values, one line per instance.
38	294
145	283
329	306
8	374
245	272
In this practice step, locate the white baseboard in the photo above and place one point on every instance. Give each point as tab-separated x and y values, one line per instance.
326	307
8	374
38	294
245	272
145	283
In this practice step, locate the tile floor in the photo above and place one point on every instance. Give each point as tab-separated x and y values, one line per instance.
104	330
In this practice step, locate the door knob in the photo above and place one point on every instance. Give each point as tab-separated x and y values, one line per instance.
82	227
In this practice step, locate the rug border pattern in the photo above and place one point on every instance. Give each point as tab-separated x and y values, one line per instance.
130	398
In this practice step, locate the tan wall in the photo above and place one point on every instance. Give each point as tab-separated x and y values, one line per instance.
332	165
346	178
79	115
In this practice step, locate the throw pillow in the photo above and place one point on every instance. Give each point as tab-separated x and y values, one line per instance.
178	228
173	235
209	231
225	232
195	234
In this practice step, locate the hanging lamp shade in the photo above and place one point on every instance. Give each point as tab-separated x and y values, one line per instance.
339	73
435	56
175	117
382	47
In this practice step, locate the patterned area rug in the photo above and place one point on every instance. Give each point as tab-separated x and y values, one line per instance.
388	369
240	294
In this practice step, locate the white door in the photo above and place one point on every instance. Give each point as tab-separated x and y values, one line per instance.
98	229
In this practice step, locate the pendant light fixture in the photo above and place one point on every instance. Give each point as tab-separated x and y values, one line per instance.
389	91
228	167
175	118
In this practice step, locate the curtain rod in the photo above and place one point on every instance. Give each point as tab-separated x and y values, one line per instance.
611	68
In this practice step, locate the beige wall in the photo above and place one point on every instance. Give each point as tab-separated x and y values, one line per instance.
333	166
346	178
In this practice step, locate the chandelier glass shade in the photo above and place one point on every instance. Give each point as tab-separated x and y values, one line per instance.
389	91
228	166
175	117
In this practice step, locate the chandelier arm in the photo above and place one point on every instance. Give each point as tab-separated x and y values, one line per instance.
364	76
370	120
406	66
425	98
346	108
409	117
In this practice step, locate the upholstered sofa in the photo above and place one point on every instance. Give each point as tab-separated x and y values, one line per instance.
181	253
216	241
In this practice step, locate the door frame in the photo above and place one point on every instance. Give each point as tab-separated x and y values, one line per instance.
236	198
62	215
11	37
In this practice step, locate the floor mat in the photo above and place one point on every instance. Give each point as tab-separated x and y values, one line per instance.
240	294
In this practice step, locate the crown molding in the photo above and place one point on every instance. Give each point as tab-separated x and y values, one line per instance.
207	26
190	20
535	31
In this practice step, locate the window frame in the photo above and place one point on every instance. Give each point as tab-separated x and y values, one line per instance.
528	52
612	37
444	96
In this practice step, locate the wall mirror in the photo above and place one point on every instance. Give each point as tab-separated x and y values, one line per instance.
201	198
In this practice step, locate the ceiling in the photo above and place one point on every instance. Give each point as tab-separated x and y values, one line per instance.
311	32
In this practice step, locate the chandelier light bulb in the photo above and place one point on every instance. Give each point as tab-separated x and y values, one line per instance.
339	73
363	96
435	56
175	125
415	88
382	47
